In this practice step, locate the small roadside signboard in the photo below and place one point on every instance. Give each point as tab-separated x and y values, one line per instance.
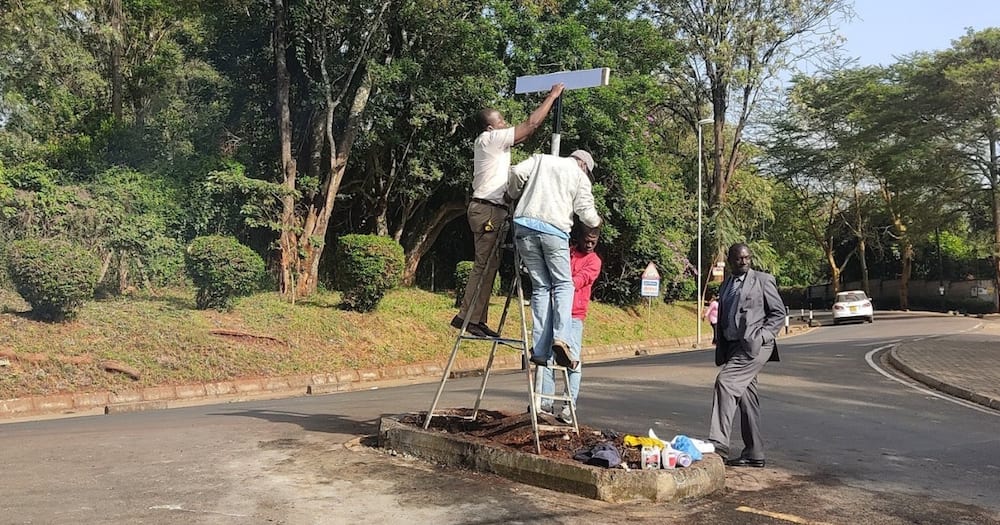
650	282
579	79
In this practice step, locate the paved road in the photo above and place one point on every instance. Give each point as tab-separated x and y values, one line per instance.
847	444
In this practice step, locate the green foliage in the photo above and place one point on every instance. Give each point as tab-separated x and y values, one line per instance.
135	214
37	203
712	289
54	276
367	266
222	269
462	271
682	290
227	200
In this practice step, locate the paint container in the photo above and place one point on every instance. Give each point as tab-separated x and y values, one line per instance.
650	457
668	459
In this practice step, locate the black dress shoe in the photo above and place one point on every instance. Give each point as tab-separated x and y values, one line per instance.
745	462
473	329
487	331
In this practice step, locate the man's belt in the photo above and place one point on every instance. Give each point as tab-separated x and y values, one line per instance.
489	203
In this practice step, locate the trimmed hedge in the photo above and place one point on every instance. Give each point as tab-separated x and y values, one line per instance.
222	269
365	269
54	276
462	271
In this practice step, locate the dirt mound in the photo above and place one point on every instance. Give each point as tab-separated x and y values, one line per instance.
514	431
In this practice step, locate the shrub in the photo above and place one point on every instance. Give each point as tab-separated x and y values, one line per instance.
462	271
712	289
222	269
366	267
54	276
680	291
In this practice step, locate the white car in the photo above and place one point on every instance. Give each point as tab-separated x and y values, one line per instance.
853	305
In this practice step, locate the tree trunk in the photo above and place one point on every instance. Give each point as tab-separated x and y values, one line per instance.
426	238
312	242
117	39
994	169
862	249
904	279
288	241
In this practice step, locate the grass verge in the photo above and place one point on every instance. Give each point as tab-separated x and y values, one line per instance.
167	341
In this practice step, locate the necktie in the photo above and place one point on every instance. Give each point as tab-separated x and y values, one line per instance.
732	305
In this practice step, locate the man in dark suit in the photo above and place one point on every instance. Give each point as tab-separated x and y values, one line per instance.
751	314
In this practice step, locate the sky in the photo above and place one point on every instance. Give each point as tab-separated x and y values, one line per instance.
885	29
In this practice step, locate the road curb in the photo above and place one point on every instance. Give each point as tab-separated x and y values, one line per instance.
612	485
963	393
236	390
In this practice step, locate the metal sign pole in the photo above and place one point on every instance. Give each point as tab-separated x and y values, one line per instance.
557	127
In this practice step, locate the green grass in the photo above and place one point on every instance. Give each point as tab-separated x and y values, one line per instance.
162	335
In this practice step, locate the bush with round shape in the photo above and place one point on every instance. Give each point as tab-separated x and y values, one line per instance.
222	269
365	268
54	276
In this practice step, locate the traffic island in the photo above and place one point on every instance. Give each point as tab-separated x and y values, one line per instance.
404	434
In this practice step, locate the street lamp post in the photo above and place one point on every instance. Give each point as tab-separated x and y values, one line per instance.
701	296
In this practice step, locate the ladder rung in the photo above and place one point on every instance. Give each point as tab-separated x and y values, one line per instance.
557	428
501	340
553	397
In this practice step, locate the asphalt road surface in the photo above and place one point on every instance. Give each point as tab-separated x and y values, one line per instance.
848	443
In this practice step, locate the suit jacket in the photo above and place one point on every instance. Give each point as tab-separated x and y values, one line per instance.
760	317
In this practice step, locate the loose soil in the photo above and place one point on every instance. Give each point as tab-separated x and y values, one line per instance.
514	431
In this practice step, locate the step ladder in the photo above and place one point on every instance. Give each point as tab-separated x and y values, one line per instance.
565	397
515	291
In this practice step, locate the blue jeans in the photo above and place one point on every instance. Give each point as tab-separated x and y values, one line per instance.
545	378
546	257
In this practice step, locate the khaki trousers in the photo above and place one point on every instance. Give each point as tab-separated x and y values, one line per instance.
485	221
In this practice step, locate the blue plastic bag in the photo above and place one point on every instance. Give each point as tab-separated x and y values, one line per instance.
684	444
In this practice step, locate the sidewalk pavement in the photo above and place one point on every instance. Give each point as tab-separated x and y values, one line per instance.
963	365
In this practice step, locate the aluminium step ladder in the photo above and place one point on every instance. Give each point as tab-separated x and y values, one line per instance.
521	344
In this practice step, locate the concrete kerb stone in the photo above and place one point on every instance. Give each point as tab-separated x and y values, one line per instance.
612	485
948	388
339	381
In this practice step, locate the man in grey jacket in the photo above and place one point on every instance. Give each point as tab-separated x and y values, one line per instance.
550	190
751	314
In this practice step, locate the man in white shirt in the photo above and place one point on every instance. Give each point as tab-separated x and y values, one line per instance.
488	208
551	190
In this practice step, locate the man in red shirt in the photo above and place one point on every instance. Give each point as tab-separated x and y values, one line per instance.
585	266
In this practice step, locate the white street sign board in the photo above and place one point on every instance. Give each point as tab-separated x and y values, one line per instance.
650	286
581	78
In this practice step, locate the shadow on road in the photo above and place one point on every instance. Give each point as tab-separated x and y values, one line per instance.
329	423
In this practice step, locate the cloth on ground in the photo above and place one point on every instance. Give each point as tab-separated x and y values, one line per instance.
603	454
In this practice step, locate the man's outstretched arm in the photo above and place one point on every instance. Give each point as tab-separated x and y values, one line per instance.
524	130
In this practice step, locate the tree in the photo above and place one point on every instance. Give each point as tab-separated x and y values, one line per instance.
917	173
968	84
413	168
332	46
735	49
814	150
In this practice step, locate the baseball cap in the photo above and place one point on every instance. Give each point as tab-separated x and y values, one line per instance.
587	159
